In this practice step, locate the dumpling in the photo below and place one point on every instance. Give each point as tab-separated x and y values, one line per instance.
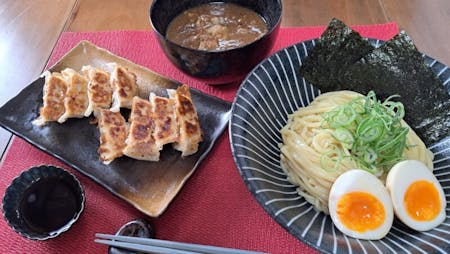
55	88
99	89
190	133
76	100
166	129
124	88
140	143
113	133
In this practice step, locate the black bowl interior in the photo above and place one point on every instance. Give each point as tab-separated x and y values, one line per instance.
163	11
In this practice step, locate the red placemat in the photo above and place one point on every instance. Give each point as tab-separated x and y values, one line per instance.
214	207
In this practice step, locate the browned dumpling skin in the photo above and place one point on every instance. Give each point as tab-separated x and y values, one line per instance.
99	89
55	88
166	129
76	100
190	133
124	86
113	133
140	143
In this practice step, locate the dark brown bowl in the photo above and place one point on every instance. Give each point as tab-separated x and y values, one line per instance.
216	67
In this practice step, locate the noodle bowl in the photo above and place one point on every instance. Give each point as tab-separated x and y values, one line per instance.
305	141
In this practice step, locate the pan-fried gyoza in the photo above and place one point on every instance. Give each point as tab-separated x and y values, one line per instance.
55	88
140	143
113	133
76	98
166	128
190	134
124	87
99	89
152	123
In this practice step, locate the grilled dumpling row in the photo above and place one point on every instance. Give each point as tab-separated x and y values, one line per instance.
152	123
159	121
70	94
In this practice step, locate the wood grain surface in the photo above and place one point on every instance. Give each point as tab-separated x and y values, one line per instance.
427	22
29	28
105	15
320	12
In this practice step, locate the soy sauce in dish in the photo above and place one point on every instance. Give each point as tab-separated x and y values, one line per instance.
48	205
216	26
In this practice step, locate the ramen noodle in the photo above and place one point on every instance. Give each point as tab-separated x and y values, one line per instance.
305	141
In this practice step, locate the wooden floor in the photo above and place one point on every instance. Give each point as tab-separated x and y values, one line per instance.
29	28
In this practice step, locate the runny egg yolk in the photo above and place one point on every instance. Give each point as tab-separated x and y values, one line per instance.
422	201
360	211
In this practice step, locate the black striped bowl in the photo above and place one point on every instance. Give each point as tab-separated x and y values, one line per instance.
271	92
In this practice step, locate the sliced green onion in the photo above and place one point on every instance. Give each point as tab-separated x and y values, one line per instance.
371	130
395	141
370	156
345	116
326	159
343	135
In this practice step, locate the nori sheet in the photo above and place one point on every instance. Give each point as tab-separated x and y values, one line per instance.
336	49
397	67
343	60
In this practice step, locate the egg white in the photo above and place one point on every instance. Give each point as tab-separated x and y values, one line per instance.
400	177
357	180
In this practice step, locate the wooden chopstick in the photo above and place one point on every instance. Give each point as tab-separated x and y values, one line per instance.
148	245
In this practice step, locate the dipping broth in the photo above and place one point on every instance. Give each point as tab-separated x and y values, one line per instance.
216	26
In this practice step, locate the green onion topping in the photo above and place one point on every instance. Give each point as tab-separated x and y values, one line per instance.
371	130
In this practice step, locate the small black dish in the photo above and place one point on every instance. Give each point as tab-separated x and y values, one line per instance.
43	202
135	228
216	67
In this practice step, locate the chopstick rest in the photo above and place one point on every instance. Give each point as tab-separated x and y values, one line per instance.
136	228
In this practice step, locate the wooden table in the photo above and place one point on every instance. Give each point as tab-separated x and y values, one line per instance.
29	29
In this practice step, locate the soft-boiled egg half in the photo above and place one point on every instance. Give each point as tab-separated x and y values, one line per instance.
417	196
360	205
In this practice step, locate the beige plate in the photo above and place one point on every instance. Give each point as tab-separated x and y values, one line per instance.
149	186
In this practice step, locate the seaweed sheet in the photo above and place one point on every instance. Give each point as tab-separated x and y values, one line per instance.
338	47
397	67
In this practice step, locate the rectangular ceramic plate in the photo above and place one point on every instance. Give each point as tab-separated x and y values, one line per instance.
149	186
